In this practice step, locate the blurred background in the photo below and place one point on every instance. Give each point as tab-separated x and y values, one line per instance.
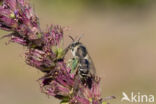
119	34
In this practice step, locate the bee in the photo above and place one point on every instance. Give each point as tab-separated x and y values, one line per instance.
85	67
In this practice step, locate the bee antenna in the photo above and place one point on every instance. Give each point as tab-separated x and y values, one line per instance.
80	37
71	38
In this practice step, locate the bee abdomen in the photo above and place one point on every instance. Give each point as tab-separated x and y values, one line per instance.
84	67
84	63
84	71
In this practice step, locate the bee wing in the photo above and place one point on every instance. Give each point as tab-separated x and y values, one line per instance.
91	66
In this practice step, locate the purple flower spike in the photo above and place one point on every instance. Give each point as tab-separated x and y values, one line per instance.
18	40
53	36
39	59
86	95
17	15
61	79
45	54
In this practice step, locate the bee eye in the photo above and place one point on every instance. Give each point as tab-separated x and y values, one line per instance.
73	45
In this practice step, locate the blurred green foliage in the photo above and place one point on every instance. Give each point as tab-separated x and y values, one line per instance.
101	3
70	6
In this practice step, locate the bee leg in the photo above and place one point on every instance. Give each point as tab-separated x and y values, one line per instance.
89	82
66	50
76	85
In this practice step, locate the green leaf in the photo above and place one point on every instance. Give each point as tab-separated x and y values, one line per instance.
90	100
104	102
64	103
12	15
39	35
54	49
60	52
33	45
65	100
1	2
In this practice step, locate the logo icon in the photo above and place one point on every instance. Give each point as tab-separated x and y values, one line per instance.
125	97
137	98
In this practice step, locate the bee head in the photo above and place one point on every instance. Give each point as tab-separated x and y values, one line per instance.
77	48
74	43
